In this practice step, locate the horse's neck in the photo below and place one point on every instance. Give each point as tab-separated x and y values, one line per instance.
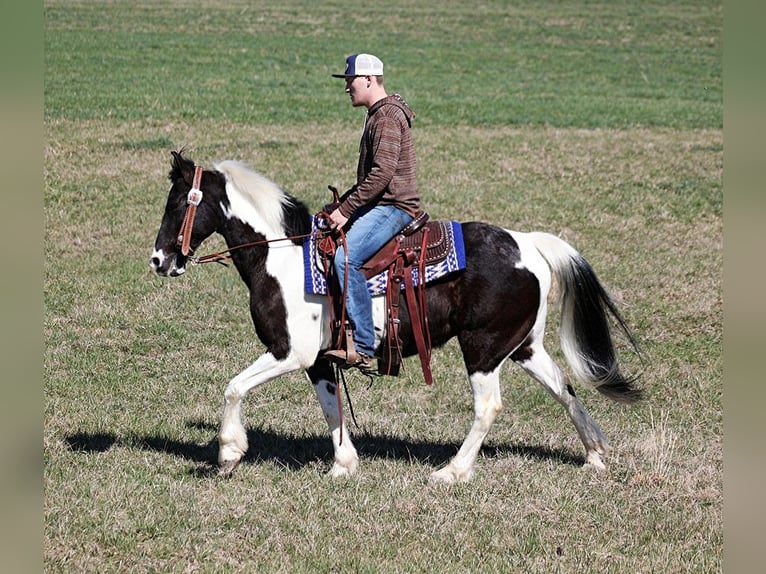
255	252
252	222
278	255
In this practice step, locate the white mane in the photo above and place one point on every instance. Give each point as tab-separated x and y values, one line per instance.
255	199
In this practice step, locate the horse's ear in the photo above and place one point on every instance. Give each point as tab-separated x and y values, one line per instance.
182	168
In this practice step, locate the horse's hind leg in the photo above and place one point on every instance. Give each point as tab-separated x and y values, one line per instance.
322	377
534	359
486	404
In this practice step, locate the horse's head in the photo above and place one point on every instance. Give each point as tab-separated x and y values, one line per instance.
168	258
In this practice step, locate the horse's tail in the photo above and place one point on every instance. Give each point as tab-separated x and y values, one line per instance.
586	337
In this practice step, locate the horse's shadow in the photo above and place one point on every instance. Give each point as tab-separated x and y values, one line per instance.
294	453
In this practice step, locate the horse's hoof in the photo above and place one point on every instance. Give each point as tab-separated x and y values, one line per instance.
441	478
593	461
340	471
227	467
449	475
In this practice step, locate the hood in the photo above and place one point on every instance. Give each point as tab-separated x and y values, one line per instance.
398	101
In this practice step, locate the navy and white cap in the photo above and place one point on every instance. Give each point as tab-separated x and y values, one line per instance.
361	65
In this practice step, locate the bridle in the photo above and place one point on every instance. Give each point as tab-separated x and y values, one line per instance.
193	199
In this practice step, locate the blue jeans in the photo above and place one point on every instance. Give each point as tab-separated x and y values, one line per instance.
369	231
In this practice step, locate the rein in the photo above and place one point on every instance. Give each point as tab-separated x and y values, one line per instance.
193	199
224	256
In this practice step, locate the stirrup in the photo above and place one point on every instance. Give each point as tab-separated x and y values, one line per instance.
352	357
340	357
359	361
348	357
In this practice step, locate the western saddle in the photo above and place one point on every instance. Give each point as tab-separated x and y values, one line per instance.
404	259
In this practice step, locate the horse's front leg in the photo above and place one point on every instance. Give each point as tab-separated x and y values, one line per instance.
326	387
232	437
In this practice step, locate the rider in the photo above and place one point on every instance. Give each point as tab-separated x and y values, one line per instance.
383	200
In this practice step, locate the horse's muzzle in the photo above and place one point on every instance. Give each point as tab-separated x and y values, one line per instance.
167	265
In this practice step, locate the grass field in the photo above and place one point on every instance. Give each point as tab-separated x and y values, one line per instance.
599	122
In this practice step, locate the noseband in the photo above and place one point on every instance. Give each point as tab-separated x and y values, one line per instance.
193	199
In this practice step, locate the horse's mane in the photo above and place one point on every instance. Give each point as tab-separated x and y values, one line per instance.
265	196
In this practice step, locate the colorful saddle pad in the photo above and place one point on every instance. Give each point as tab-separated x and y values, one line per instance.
316	282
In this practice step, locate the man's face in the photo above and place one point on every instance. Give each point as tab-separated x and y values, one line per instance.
356	88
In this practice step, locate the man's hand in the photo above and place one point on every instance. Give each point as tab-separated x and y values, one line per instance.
337	219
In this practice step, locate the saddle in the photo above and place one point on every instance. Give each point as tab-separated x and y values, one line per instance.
404	259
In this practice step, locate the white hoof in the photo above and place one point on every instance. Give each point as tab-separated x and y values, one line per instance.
229	457
339	470
593	461
451	475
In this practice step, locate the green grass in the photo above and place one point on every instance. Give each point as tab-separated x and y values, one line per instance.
600	122
579	64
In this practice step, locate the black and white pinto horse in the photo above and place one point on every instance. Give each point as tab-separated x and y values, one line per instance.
496	307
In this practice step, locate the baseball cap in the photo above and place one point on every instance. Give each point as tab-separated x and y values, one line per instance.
361	65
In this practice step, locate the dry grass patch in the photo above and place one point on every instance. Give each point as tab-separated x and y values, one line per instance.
136	365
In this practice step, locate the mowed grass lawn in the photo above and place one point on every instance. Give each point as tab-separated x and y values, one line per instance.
598	122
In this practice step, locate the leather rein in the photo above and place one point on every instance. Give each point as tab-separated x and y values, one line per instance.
183	240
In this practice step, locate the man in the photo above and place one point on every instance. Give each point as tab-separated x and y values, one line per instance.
383	200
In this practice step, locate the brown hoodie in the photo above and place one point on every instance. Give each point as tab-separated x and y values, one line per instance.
386	173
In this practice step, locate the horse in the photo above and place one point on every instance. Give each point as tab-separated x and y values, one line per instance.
496	307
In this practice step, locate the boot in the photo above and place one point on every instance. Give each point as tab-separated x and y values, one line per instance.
349	357
360	361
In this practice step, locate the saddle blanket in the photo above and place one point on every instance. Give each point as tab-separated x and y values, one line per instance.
316	282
